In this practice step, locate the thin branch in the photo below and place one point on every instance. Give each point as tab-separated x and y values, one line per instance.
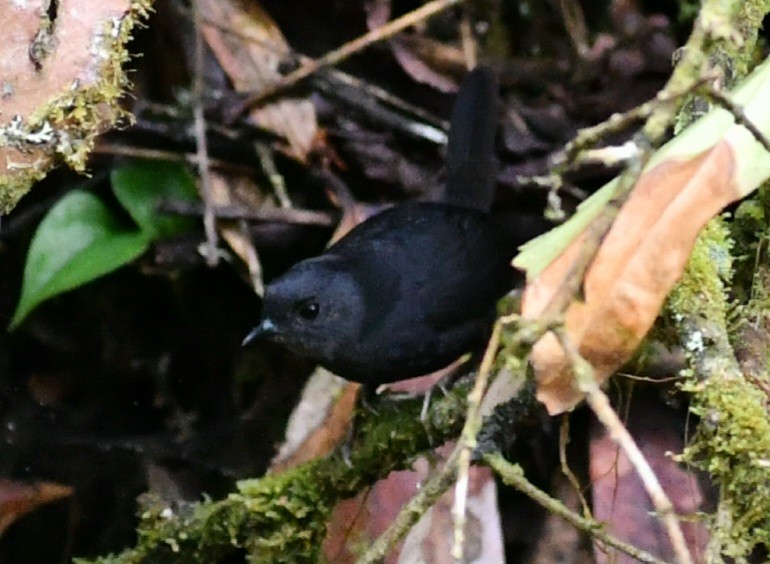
368	100
275	177
429	494
468	40
343	52
597	230
253	263
513	475
435	129
441	482
575	25
209	221
468	441
566	470
600	404
278	215
589	137
739	115
103	148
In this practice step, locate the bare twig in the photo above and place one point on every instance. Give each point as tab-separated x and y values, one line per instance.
566	470
209	221
468	40
253	263
334	76
279	215
597	230
588	137
275	177
513	475
600	405
468	442
169	156
372	102
739	115
575	25
388	98
343	52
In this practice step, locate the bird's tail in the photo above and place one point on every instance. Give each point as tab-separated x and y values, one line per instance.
471	167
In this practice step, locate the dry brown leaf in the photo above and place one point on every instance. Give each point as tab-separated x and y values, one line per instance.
425	60
319	438
233	190
639	261
619	499
250	47
18	498
359	521
60	80
690	179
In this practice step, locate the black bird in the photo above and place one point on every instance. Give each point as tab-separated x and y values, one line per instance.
413	288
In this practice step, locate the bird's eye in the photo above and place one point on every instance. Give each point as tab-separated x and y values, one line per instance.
309	310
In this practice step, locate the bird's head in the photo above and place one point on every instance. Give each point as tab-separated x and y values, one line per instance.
313	309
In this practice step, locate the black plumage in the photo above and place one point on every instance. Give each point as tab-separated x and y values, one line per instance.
413	288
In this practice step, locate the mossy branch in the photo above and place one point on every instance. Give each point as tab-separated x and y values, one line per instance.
282	518
732	441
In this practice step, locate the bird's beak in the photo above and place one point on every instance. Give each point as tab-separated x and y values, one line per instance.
265	329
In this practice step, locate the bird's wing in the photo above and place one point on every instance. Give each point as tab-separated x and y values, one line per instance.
438	265
474	276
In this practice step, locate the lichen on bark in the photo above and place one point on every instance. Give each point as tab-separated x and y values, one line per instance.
732	441
50	120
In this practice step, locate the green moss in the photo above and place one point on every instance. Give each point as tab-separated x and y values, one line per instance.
732	442
727	32
752	235
702	289
14	186
733	445
749	23
698	305
282	518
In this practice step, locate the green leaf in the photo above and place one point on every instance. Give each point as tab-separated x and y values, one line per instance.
79	240
141	186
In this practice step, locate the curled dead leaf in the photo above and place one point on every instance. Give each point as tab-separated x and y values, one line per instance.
427	61
712	163
250	47
639	261
18	498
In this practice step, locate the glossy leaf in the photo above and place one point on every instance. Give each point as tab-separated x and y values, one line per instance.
79	240
142	185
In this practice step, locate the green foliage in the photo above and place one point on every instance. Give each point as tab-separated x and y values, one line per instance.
732	442
81	239
140	186
733	445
